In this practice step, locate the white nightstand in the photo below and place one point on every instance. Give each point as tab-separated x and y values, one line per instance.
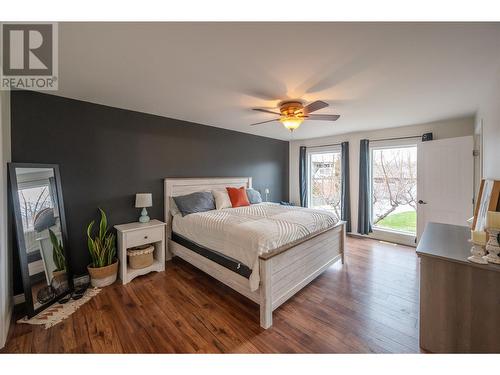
137	234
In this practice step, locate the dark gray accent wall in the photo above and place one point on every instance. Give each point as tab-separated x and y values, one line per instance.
107	154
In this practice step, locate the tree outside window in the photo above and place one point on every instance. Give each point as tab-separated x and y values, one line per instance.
394	188
326	181
32	201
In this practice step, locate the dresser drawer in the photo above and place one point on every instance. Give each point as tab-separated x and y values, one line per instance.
144	236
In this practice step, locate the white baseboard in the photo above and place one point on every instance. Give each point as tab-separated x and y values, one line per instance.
387	236
19	298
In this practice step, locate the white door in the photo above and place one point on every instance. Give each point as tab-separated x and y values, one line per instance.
445	178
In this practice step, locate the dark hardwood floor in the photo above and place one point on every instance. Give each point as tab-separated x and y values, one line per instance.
369	304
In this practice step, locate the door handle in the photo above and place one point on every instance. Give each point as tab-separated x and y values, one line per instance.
420	201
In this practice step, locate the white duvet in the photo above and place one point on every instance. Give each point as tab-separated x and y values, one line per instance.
244	233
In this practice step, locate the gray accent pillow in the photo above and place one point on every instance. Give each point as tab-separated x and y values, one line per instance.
195	202
254	196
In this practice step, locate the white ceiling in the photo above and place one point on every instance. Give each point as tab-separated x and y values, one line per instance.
374	75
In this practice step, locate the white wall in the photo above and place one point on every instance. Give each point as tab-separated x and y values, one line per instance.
441	129
5	258
489	116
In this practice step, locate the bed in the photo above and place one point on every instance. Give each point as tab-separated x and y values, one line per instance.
266	252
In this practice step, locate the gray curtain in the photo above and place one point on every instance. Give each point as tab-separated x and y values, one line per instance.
364	203
303	176
346	194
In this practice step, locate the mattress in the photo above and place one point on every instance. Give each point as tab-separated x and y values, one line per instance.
245	233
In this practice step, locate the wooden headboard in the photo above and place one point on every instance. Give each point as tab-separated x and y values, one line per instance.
182	186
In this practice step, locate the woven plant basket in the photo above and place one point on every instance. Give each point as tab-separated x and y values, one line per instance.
103	276
140	256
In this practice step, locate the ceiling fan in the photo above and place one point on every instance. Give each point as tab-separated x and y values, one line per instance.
292	113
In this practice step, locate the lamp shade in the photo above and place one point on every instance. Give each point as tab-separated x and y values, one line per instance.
291	122
143	200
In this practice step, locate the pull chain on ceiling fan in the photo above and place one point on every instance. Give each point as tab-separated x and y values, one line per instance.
293	113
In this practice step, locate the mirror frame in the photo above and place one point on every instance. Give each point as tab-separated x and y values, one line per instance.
21	245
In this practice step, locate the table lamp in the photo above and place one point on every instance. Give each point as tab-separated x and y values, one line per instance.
143	200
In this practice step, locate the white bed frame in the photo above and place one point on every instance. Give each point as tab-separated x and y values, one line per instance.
283	272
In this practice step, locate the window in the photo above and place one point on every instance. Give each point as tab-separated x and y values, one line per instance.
325	179
394	188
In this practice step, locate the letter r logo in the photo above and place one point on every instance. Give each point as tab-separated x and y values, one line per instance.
27	49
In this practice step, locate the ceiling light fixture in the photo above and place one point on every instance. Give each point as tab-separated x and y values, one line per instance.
291	122
292	113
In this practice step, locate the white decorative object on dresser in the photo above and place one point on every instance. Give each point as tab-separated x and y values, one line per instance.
137	234
478	251
493	247
493	230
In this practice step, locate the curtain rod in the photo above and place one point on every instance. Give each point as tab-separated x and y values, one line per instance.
396	138
331	144
374	140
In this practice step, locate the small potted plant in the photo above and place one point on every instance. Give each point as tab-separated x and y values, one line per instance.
59	274
104	266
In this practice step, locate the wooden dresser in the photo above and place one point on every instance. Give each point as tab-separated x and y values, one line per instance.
459	300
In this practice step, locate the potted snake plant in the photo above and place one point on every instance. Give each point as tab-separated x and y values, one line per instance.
59	274
104	266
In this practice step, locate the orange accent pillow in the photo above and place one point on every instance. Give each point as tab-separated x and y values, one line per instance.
238	197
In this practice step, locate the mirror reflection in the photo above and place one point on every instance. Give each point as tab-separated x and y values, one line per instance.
42	229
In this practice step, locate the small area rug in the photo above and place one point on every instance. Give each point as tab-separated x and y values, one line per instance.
60	311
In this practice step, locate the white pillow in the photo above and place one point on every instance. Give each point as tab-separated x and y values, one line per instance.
174	210
221	199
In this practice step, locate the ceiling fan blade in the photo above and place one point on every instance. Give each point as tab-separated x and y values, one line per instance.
266	111
263	122
315	106
324	117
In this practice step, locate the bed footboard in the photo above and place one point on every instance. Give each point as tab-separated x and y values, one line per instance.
286	272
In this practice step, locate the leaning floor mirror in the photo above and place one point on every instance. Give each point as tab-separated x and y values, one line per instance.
41	233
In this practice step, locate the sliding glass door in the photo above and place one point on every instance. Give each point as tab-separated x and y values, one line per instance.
324	179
